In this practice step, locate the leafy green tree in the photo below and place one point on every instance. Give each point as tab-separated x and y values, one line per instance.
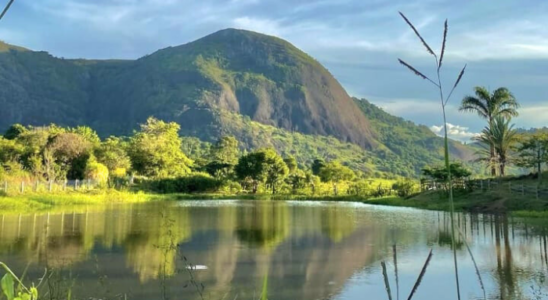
251	168
291	164
262	166
112	153
225	150
14	131
155	151
334	172
317	165
439	174
276	169
10	151
96	171
219	169
70	151
87	133
533	152
490	106
502	136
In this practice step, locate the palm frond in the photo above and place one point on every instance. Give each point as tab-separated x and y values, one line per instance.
418	34
473	104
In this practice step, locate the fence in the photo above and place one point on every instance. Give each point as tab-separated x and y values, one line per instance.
510	186
489	185
47	186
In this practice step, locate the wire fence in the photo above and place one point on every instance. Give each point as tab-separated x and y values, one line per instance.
485	185
27	186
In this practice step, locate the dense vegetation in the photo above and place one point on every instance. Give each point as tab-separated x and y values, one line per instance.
259	89
158	159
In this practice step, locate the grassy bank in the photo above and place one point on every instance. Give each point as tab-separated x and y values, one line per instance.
37	202
498	200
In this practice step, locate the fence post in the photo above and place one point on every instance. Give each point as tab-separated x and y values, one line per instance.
481	184
76	184
22	186
50	186
522	189
36	186
65	185
488	184
6	187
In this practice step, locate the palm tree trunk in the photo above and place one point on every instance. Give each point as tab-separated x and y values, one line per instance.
492	160
502	167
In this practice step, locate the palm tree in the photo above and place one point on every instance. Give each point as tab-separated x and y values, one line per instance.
501	137
489	106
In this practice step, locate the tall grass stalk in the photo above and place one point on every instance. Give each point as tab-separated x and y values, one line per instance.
444	100
386	281
395	253
421	275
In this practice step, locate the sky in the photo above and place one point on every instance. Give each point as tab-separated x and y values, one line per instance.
503	43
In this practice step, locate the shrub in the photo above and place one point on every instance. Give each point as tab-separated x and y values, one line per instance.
195	183
96	171
405	188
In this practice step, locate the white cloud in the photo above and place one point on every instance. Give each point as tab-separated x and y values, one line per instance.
455	132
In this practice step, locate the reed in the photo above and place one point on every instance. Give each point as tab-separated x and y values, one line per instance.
444	100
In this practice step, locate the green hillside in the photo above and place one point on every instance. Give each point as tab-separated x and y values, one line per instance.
259	88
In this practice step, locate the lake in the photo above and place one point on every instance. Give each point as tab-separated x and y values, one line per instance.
284	250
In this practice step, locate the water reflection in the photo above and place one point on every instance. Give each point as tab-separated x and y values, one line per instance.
274	250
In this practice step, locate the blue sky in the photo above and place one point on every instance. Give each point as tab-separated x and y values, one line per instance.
504	43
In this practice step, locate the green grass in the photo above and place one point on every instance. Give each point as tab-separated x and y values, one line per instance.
36	202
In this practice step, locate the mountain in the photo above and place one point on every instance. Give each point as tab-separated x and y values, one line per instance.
259	76
259	88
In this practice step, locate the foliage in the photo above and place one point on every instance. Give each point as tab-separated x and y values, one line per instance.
97	172
225	150
439	174
405	188
13	288
194	183
533	151
334	172
112	153
264	165
498	105
500	136
155	151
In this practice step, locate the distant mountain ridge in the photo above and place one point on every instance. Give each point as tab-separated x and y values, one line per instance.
212	87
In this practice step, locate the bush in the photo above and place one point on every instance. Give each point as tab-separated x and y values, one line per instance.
195	183
405	188
96	171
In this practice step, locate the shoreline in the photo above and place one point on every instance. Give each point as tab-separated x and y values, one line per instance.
492	202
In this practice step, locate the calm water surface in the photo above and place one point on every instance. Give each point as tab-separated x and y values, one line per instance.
285	250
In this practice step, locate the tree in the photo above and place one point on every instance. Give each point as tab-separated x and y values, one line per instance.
291	163
489	106
112	153
14	131
276	169
155	151
251	167
262	166
501	136
225	150
70	152
334	172
317	165
439	174
533	152
96	171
